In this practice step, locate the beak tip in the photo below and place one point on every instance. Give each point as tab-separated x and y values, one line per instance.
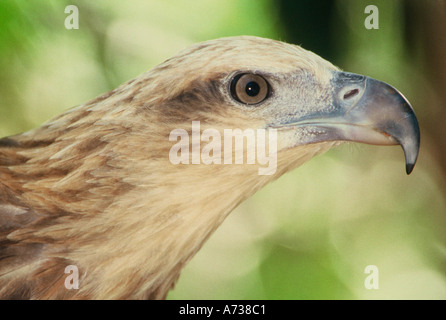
409	167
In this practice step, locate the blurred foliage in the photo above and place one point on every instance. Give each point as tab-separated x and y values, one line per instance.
310	234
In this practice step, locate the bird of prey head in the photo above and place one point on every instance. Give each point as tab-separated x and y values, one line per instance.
95	187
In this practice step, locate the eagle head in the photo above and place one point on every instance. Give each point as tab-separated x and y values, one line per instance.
128	186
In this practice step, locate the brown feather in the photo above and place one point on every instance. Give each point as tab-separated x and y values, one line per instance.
94	187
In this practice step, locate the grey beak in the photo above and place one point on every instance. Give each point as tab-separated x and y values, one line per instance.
388	111
383	109
368	111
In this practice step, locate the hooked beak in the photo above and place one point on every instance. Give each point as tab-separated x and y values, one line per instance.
364	110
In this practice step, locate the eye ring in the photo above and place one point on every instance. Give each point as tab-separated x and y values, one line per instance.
249	88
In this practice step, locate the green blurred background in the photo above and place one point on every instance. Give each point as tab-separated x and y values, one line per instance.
310	234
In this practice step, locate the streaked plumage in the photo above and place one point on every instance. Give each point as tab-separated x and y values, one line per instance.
94	187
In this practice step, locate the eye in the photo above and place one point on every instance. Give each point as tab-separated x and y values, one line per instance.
249	88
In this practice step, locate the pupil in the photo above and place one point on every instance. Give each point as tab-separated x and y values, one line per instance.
252	89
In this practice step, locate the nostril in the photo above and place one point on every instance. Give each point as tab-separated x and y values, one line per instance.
351	94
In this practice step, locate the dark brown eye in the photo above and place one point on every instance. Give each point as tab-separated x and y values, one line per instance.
249	88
